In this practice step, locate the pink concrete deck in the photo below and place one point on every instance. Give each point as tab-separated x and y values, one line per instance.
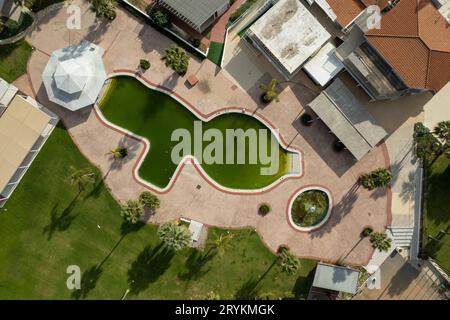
126	40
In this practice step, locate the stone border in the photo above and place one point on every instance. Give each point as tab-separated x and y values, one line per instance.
317	226
190	159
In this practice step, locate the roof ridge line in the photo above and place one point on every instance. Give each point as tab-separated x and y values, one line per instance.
392	36
427	77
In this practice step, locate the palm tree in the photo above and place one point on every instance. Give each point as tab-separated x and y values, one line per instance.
442	131
271	92
81	178
177	59
118	153
174	236
221	243
287	261
132	211
378	178
380	241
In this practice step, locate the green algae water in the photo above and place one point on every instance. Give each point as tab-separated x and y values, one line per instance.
155	115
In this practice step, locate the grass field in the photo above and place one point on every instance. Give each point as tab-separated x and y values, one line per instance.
13	60
215	52
45	228
437	221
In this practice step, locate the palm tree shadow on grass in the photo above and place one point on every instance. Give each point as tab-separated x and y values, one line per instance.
150	264
195	264
91	276
88	282
302	285
250	290
60	222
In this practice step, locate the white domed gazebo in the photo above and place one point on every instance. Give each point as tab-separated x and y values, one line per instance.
75	75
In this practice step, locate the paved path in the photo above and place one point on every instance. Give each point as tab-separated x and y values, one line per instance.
126	40
220	27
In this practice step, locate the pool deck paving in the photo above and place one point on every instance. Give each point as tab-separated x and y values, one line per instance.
126	40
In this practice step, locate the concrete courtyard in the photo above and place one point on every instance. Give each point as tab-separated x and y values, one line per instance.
126	40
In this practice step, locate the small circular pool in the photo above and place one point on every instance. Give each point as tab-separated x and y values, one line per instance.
310	208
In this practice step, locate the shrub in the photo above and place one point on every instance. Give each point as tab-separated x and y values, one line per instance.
241	10
367	231
196	42
338	146
380	241
160	18
264	209
104	8
149	200
378	178
306	119
144	64
287	261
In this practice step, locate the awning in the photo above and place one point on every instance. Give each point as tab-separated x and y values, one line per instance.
347	118
336	278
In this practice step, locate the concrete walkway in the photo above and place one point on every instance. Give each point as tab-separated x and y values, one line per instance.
126	40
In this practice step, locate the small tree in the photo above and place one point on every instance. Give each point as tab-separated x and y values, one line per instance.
221	243
177	59
287	261
119	152
380	241
144	64
271	92
442	131
149	200
174	236
428	147
160	18
82	178
104	8
132	211
378	178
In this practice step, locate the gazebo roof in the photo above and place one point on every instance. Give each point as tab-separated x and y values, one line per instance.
75	75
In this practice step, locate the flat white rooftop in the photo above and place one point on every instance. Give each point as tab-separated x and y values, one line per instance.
324	66
290	33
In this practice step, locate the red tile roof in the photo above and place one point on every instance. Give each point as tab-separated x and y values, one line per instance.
415	40
346	10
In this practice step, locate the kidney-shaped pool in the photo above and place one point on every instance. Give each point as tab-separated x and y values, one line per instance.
168	125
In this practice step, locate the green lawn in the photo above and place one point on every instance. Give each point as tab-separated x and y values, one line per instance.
438	213
215	52
13	60
45	228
